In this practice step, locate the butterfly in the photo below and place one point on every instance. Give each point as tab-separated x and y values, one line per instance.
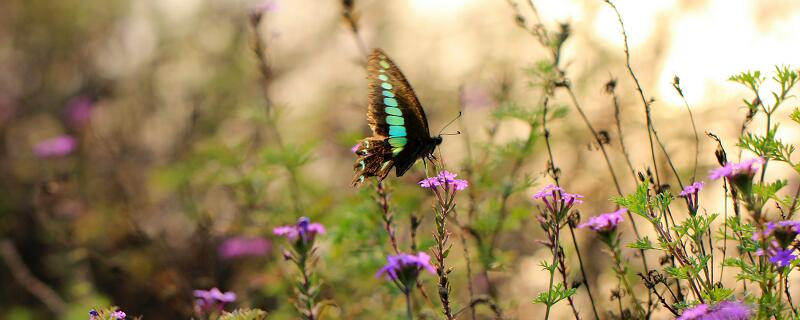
400	134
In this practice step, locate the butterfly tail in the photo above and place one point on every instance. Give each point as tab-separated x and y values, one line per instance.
374	160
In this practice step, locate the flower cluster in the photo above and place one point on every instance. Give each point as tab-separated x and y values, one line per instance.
729	310
691	194
303	232
405	268
776	241
606	222
103	315
732	170
212	300
556	199
446	179
244	246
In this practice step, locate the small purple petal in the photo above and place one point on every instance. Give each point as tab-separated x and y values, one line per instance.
55	147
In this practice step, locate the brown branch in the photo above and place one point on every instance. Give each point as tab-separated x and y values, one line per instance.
27	280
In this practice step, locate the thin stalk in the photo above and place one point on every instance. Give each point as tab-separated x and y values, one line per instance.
409	309
554	171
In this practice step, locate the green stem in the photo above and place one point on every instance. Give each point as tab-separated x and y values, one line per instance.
409	309
552	275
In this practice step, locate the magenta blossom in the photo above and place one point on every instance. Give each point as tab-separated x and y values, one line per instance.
243	246
727	310
606	222
212	300
304	230
556	199
731	170
405	268
692	189
691	195
446	179
118	315
55	147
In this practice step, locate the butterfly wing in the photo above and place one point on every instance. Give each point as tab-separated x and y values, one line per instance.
398	122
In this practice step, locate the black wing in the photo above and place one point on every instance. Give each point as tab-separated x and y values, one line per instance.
399	125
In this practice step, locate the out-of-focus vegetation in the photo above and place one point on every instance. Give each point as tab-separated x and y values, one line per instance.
149	149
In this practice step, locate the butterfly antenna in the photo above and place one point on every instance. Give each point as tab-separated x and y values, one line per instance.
451	122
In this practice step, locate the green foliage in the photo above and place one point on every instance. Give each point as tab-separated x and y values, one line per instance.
643	243
639	202
245	314
554	295
767	146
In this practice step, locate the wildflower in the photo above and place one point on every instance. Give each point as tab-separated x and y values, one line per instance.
118	315
556	199
729	310
93	314
731	170
55	147
405	268
212	300
446	179
782	257
303	232
79	111
692	189
604	223
690	193
244	246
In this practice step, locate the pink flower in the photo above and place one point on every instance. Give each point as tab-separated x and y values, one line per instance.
728	310
406	265
731	169
55	147
444	178
243	246
304	230
556	199
605	222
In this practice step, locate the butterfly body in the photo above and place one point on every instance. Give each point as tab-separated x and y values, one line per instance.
398	122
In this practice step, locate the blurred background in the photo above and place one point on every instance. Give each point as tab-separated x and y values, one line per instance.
144	153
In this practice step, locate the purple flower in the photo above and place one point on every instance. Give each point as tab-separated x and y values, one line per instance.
444	178
692	189
786	228
556	199
93	314
731	170
690	193
782	257
118	315
406	267
725	310
212	300
430	182
55	147
79	111
244	246
606	222
696	312
304	231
